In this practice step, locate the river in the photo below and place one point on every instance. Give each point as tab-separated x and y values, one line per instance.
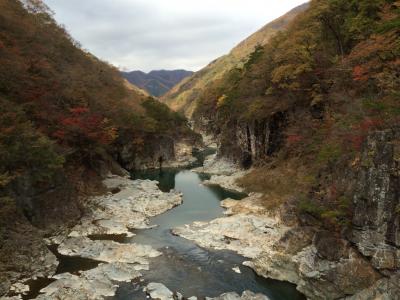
184	267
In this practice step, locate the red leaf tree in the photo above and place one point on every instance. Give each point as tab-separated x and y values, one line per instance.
84	129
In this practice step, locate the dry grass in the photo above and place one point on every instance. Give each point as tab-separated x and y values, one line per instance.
278	183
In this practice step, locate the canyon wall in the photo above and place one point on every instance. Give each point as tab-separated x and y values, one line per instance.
362	260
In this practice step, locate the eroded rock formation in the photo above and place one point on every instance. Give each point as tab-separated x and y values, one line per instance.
376	219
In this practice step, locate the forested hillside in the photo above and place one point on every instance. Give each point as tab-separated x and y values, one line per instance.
184	96
66	118
308	107
304	105
315	113
59	102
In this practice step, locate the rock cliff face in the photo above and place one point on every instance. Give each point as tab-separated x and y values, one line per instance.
322	266
252	141
260	138
376	219
131	159
53	204
386	288
362	261
164	149
23	252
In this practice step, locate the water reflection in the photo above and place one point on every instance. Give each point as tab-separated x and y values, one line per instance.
185	267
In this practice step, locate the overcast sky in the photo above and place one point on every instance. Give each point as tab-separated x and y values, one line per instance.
164	34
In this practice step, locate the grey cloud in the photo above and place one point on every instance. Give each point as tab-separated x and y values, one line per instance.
138	34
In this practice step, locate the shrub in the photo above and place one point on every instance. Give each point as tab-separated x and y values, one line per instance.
23	150
311	207
336	212
329	153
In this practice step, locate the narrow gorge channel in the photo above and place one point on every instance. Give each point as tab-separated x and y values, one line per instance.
183	266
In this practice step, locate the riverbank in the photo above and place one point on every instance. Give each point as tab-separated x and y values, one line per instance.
112	246
223	172
274	244
278	246
128	205
160	291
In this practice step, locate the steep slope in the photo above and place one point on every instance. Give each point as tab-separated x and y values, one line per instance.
133	87
316	114
156	83
183	97
66	120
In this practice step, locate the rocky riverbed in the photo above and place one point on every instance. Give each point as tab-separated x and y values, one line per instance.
128	206
323	266
161	292
276	245
223	172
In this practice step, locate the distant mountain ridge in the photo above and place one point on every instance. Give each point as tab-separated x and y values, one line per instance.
156	83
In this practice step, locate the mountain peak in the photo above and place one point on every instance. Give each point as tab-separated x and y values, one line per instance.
156	82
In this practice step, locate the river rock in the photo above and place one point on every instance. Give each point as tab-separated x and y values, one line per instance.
19	288
143	196
107	251
224	172
159	291
227	182
248	235
236	270
316	276
247	295
97	283
218	166
250	205
129	207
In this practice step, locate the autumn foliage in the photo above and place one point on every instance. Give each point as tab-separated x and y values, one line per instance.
334	74
73	105
81	127
23	150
